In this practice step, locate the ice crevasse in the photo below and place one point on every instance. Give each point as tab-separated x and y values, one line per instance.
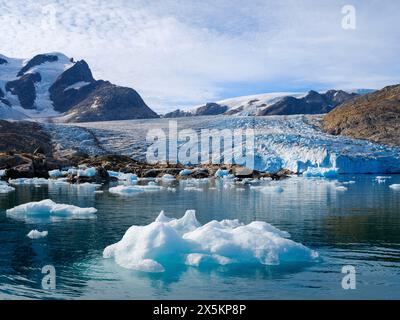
153	247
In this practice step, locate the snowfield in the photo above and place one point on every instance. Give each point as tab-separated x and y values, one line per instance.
251	105
281	142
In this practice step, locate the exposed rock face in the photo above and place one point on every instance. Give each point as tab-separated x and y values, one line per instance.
375	117
211	109
35	61
110	102
24	88
312	103
23	137
177	114
3	61
62	92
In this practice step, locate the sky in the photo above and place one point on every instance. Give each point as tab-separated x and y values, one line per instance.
180	53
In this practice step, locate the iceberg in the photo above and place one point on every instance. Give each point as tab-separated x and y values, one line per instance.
86	172
50	209
166	241
395	187
35	234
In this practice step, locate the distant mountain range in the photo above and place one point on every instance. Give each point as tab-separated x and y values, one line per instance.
52	84
281	103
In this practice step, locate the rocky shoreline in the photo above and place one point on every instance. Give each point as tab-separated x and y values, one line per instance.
38	165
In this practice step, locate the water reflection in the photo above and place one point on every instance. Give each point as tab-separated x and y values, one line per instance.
360	226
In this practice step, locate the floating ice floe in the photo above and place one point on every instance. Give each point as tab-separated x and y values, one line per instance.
185	172
221	173
125	190
35	234
28	181
50	209
132	190
193	188
128	177
341	188
348	182
153	247
57	173
86	172
395	186
382	179
168	178
5	188
2	173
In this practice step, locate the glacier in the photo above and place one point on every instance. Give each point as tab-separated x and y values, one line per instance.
152	248
295	143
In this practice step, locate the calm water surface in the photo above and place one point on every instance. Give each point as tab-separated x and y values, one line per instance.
359	227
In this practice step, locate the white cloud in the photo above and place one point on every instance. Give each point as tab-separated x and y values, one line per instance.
188	52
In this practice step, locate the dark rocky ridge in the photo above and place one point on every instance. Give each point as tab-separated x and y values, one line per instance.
178	113
64	100
211	109
24	88
35	61
375	117
108	102
3	61
312	103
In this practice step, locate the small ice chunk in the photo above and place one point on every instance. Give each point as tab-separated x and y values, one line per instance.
50	209
341	188
86	172
193	188
35	234
221	173
2	173
168	177
55	173
395	186
185	172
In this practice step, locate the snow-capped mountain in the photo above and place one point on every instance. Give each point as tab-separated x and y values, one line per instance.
278	103
53	85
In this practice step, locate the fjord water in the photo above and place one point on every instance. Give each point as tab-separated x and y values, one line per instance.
358	227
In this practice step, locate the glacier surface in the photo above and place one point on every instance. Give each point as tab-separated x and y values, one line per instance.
281	142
